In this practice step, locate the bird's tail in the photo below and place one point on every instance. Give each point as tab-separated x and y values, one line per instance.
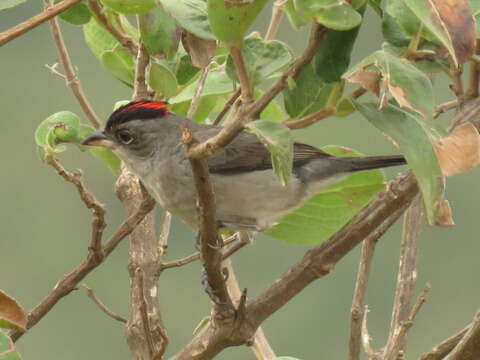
369	162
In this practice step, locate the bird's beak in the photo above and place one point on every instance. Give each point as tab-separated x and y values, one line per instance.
98	138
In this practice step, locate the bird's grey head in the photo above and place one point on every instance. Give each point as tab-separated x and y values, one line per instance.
136	130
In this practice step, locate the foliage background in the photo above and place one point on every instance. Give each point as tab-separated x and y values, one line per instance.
45	229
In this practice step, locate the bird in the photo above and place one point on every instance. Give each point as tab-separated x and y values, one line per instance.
146	136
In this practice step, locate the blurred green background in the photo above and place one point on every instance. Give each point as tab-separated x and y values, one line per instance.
45	229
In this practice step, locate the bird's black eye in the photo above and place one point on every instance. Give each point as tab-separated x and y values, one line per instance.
125	137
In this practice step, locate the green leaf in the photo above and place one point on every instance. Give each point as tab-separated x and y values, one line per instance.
190	15
110	53
159	33
205	107
262	58
324	214
230	19
414	138
78	14
120	63
333	14
7	348
162	79
451	22
393	32
61	127
130	7
216	83
295	18
333	56
185	71
400	13
307	94
279	141
410	87
341	17
7	4
273	111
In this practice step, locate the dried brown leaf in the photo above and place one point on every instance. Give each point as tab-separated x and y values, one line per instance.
200	50
460	151
457	18
12	315
366	79
443	216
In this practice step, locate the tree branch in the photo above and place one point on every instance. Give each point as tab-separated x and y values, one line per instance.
71	77
102	306
357	312
192	110
36	20
69	282
126	41
210	246
276	18
242	73
438	352
140	87
407	275
468	348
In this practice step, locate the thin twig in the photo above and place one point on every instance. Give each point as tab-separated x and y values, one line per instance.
71	78
276	18
227	106
249	112
54	71
242	73
365	336
98	210
102	306
69	282
194	257
140	87
192	110
36	20
358	307
439	351
457	84
210	249
467	348
407	276
310	119
440	109
126	41
393	349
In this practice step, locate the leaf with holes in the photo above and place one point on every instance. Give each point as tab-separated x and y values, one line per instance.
324	214
279	141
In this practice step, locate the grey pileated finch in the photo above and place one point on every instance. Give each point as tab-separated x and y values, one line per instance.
249	196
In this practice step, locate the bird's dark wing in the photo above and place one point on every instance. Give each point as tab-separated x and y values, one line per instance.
247	153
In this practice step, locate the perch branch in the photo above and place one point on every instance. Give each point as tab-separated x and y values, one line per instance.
210	246
140	87
102	306
36	20
71	78
468	348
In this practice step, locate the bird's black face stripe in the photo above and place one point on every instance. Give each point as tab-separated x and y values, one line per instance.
136	110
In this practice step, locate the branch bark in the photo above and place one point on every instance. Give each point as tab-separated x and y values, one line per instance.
71	78
36	20
468	348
